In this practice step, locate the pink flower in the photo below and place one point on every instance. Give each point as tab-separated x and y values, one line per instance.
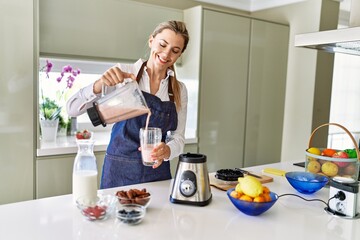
70	73
48	68
66	70
71	77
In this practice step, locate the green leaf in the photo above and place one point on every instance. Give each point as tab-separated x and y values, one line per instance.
49	109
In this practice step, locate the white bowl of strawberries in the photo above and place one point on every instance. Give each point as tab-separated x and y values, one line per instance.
84	135
96	209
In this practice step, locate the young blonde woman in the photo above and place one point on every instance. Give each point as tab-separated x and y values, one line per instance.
166	97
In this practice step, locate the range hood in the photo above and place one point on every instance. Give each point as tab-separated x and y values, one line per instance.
344	40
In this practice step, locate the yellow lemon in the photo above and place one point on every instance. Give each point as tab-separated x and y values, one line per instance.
314	150
235	194
313	166
238	188
330	169
251	186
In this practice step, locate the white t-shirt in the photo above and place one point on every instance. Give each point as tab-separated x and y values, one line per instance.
84	98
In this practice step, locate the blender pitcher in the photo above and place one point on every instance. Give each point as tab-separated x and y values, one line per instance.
123	103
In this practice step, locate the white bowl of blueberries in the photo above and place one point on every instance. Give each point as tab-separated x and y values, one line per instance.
131	214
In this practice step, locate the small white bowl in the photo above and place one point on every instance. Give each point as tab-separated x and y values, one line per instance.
97	209
142	199
131	214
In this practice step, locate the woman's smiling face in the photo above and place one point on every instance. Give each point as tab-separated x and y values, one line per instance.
166	48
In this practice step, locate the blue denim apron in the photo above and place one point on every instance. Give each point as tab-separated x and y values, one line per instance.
123	164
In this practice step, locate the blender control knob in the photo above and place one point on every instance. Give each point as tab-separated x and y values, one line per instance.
188	184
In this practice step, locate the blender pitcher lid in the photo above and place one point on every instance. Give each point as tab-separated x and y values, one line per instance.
192	158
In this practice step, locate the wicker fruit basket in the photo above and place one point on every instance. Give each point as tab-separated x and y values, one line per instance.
331	166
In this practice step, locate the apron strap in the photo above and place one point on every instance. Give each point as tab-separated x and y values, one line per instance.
170	90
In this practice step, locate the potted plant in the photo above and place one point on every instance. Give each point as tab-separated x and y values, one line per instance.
50	110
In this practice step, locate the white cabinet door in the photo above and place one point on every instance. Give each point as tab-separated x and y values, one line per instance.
17	34
266	92
242	90
105	29
223	88
54	174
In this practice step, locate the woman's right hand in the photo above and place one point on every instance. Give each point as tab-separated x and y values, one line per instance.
111	77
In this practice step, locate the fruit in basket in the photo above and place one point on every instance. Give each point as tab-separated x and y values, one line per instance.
342	164
349	170
351	153
313	166
341	154
330	169
250	186
328	152
314	150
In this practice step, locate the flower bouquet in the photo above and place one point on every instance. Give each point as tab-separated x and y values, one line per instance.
50	110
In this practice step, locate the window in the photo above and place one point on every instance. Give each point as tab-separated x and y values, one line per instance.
91	71
345	96
345	99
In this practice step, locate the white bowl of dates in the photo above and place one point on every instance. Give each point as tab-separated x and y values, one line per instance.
96	209
131	214
134	196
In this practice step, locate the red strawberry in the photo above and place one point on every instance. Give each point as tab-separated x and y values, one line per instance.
79	135
95	212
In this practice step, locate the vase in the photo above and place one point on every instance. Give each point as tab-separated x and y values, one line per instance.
49	129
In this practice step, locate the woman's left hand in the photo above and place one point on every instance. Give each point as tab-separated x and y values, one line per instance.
159	153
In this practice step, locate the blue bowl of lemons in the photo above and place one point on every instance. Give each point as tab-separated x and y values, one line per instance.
252	208
306	182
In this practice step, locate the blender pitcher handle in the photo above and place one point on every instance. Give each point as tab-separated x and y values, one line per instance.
103	90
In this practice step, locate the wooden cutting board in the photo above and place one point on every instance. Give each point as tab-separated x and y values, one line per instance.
225	185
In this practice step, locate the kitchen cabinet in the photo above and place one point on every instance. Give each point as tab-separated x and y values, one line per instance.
17	141
242	76
105	29
266	93
54	173
223	88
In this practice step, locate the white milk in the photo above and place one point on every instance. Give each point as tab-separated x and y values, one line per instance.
146	155
85	184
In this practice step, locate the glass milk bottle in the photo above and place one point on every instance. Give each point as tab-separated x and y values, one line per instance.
85	171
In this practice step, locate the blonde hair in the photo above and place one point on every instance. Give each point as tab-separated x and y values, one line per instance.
179	28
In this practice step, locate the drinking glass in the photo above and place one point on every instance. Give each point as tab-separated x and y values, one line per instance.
149	138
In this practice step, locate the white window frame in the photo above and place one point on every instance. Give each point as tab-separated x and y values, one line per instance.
99	67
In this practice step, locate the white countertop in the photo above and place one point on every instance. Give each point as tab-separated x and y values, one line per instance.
290	218
67	145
